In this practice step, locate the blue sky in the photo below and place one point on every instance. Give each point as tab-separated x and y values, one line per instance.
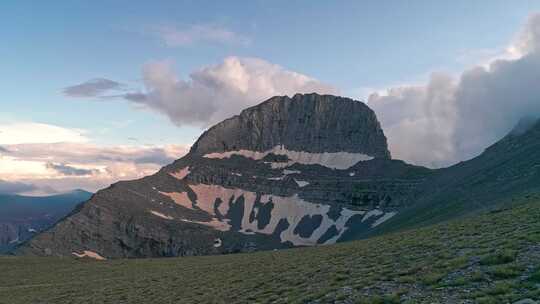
349	44
352	46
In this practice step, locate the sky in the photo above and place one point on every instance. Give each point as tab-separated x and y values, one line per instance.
93	92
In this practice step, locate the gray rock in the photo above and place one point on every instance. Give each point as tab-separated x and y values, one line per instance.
311	123
526	301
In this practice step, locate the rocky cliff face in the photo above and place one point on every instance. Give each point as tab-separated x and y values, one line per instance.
309	123
289	172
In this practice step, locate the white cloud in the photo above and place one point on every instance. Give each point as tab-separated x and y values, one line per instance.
200	33
449	120
30	132
216	92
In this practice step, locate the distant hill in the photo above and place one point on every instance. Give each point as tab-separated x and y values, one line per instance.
21	217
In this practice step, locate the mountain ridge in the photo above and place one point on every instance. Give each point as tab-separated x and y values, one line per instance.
223	197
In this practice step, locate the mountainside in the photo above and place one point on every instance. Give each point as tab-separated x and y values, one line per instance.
505	173
22	217
289	172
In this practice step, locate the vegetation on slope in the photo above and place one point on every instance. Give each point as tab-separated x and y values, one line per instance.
492	258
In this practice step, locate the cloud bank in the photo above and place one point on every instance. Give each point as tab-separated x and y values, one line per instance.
40	163
450	120
31	132
67	166
7	187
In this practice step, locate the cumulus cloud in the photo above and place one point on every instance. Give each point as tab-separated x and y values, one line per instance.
92	88
216	92
449	120
7	187
196	34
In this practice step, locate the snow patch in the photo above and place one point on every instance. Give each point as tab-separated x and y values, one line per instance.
205	202
374	212
292	209
352	174
181	174
218	243
287	172
334	160
89	254
383	219
161	215
301	183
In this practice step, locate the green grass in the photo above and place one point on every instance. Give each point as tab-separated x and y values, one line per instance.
480	259
535	277
498	258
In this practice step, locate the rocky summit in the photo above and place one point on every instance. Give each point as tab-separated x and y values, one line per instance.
305	123
301	171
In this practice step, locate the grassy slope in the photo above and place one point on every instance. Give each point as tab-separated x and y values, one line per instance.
492	258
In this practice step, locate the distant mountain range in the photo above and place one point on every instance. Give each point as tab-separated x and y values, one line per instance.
301	171
22	217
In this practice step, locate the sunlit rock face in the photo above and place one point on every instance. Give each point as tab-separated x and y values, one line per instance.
302	171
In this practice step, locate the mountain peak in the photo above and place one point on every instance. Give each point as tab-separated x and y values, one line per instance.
284	173
309	123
